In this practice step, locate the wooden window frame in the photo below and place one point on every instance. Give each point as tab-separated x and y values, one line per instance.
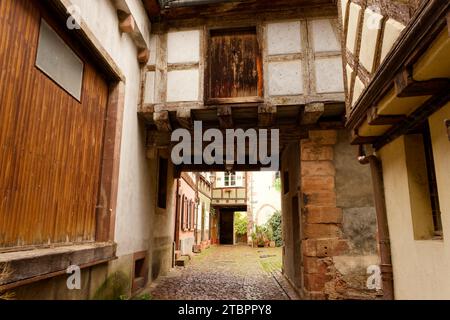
432	182
207	70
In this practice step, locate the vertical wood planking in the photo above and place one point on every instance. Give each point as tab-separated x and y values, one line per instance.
50	144
235	64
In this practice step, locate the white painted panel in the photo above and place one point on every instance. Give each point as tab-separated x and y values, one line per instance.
285	78
149	94
57	60
153	48
183	46
324	36
357	90
284	38
182	85
353	22
329	75
369	38
392	31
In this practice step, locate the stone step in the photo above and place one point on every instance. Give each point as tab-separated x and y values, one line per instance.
182	261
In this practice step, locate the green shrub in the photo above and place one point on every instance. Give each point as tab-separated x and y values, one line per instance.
274	224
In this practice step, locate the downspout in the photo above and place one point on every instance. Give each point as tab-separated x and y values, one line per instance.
382	223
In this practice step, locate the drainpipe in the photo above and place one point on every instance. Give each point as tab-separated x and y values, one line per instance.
383	231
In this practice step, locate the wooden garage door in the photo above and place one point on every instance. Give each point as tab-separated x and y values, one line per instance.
50	143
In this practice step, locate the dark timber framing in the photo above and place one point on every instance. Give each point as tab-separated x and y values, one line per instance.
395	72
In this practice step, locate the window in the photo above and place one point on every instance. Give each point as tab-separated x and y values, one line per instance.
285	182
425	208
140	270
162	183
230	179
59	62
432	184
235	66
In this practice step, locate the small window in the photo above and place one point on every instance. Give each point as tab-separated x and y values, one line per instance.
140	271
162	183
425	208
432	184
59	62
285	182
230	179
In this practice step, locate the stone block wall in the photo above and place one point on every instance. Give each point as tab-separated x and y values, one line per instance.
338	238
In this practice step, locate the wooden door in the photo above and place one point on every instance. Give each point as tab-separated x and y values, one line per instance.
50	143
234	67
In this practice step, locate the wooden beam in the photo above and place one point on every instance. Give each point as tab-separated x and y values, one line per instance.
143	55
127	23
267	115
158	139
415	119
375	119
235	100
448	23
312	112
447	124
162	121
225	115
406	86
184	117
356	139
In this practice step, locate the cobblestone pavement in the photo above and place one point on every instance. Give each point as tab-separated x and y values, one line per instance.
224	273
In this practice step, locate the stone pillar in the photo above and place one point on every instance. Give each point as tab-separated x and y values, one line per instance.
321	218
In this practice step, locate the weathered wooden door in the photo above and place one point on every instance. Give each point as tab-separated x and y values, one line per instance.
50	142
234	67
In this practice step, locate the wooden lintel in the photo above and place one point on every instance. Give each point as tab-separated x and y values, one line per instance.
375	119
312	112
447	124
225	116
406	86
143	55
235	100
162	121
356	139
127	23
182	66
177	172
448	23
174	106
157	139
184	117
267	115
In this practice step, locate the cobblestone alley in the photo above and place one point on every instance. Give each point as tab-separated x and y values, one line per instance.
226	272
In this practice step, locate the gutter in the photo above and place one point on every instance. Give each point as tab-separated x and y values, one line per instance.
382	223
167	4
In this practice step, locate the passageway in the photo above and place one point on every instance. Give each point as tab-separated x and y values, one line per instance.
226	272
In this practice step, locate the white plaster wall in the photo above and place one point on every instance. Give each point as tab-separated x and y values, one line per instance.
284	38
183	85
134	206
353	22
421	267
183	46
369	38
285	78
324	36
265	198
329	75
